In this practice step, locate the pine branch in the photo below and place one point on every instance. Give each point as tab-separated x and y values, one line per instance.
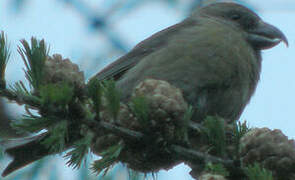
80	149
74	117
95	93
104	127
56	141
112	95
20	98
109	157
34	57
4	57
215	132
256	172
193	156
140	108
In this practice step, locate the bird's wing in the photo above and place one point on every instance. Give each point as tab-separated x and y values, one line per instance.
116	69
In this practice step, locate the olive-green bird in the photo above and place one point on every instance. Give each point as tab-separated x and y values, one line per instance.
213	56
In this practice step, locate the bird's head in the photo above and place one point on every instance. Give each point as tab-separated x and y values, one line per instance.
259	34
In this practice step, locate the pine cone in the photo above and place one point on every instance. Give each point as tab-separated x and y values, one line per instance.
167	107
164	98
58	70
270	148
125	119
165	101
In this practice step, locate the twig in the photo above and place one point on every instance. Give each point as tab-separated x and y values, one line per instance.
185	154
20	100
102	127
197	156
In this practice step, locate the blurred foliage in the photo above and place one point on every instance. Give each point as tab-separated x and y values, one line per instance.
218	169
215	131
256	171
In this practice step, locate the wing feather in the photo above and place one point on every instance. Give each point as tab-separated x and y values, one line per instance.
116	69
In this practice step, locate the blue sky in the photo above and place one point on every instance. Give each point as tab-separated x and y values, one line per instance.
67	33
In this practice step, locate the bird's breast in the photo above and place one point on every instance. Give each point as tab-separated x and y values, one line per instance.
216	70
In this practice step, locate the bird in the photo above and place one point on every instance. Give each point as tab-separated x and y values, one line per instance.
213	57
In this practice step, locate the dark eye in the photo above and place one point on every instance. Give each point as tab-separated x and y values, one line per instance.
235	17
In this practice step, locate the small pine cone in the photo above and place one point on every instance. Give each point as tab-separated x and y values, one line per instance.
58	70
166	106
166	101
125	117
211	177
270	148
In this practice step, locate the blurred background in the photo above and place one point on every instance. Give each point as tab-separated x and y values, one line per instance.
93	33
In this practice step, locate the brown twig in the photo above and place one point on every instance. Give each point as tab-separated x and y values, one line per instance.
20	100
197	156
104	127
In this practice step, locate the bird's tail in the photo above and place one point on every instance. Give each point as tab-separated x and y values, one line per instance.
25	154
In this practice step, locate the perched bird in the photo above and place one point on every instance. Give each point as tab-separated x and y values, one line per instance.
213	56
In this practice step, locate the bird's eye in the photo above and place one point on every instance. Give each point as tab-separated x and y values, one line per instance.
235	17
